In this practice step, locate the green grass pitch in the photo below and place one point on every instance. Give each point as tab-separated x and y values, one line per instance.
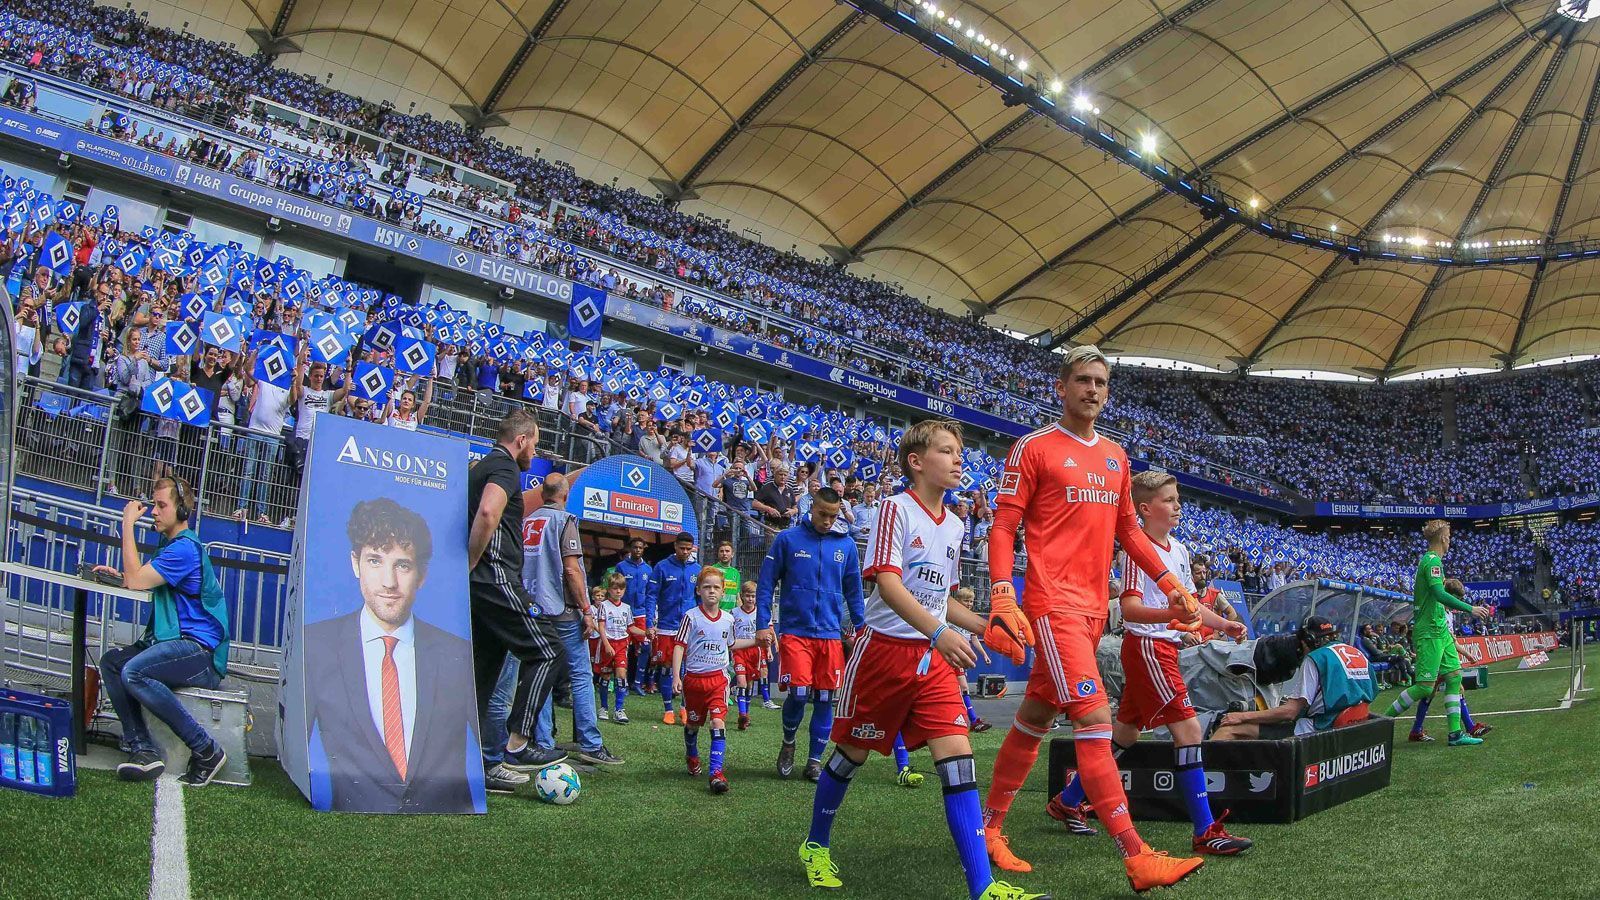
1517	816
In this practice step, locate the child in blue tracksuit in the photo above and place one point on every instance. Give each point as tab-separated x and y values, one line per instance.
668	595
820	569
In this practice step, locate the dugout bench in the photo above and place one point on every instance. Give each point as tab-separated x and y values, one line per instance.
1259	781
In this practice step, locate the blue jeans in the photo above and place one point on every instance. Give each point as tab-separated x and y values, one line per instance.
139	678
258	453
493	727
585	723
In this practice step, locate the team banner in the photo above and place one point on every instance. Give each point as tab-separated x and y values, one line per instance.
1478	651
1494	593
374	625
629	492
171	399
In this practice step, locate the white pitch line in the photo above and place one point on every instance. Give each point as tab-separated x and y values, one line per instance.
169	844
1506	712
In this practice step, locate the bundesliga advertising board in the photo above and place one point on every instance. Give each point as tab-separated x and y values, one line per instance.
378	712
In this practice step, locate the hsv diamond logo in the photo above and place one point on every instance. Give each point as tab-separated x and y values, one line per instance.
330	345
1084	688
220	330
69	319
636	476
1112	466
184	338
59	255
414	356
459	259
374	382
275	365
161	395
585	311
191	405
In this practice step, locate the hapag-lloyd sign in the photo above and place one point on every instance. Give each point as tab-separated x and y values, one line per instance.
1479	651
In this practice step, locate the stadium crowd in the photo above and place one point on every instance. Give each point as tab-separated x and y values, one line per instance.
1329	442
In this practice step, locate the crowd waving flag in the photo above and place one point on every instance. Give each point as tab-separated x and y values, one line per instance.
171	399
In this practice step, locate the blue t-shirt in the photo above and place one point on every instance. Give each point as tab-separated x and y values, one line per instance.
178	564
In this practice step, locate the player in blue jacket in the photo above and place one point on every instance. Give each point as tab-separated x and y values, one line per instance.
820	569
668	595
638	572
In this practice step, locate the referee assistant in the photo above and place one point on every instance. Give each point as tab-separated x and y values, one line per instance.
504	617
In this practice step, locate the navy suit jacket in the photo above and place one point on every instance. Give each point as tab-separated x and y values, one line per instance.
361	774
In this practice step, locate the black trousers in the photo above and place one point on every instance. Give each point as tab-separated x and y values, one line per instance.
499	626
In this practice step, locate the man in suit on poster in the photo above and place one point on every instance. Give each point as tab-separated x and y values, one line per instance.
391	696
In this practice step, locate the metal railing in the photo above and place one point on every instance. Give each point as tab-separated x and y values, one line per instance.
59	535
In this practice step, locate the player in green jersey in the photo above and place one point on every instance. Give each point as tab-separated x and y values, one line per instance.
1430	633
730	574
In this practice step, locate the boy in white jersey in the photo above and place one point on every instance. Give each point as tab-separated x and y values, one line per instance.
747	667
902	675
700	673
618	624
1155	694
965	596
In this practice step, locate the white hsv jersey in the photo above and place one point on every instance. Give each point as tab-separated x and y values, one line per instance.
744	624
706	641
924	549
616	618
1138	583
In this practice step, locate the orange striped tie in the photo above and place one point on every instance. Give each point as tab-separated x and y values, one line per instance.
394	730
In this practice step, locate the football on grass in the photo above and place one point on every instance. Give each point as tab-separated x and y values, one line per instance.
557	784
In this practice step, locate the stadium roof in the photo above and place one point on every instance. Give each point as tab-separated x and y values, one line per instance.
814	122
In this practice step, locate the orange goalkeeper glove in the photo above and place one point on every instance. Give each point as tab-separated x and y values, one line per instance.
1009	632
1180	601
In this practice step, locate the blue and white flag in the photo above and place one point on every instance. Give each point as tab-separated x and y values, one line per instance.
192	306
68	315
707	440
132	259
287	342
371	382
587	314
182	338
533	390
331	347
222	331
668	411
413	356
382	336
176	400
756	431
275	367
56	254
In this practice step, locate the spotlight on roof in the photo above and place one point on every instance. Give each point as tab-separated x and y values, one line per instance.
1147	142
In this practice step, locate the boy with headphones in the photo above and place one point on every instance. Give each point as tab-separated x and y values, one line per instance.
185	643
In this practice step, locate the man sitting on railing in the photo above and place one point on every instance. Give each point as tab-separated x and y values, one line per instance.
185	643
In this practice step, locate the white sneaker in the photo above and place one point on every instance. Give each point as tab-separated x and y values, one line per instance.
621	718
768	704
604	716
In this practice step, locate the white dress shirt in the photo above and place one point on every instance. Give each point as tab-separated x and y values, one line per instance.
405	663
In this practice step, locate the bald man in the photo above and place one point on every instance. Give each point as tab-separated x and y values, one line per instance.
553	574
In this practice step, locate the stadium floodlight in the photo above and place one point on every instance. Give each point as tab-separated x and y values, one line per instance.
1022	65
971	33
1055	87
1255	202
1097	110
1333	227
1147	142
1081	102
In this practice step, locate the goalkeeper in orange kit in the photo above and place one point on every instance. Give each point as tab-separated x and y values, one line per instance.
1070	489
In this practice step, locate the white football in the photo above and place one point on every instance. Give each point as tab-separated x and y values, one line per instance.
557	784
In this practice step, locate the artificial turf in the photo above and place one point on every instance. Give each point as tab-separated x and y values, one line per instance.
94	845
1516	816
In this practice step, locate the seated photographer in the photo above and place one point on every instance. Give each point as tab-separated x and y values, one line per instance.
185	643
1332	688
